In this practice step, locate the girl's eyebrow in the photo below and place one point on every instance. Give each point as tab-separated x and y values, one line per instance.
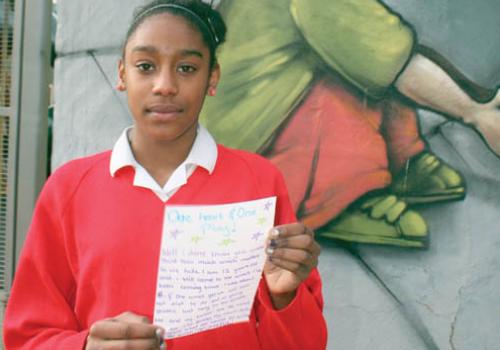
152	49
140	48
192	53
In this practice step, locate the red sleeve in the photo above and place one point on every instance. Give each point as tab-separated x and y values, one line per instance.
40	312
301	324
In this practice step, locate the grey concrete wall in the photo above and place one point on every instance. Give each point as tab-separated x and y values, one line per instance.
446	297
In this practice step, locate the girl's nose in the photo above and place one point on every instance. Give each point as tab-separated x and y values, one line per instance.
165	84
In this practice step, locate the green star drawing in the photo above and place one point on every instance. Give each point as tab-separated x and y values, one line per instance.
226	242
261	220
196	239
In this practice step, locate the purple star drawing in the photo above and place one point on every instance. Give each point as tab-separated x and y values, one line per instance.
257	235
175	233
268	205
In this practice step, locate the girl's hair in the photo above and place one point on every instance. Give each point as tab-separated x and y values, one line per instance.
202	16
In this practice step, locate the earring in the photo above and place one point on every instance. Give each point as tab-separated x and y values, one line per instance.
121	86
212	90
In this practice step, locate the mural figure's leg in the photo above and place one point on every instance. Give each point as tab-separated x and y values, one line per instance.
331	153
434	83
420	177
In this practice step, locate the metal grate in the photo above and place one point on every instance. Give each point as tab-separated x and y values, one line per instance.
6	43
3	305
4	155
6	46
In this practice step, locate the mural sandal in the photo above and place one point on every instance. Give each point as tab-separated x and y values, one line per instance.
427	179
379	220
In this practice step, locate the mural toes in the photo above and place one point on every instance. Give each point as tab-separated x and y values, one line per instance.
427	179
380	220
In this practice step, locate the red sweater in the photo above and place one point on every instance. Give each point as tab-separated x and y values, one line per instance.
92	253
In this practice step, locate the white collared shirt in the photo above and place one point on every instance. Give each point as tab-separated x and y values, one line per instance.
203	153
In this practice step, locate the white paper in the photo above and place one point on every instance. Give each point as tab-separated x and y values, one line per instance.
211	261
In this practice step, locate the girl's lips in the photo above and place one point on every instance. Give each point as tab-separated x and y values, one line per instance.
164	109
164	113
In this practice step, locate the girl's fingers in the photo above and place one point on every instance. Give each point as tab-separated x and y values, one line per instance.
118	330
293	256
295	243
290	230
296	268
139	344
305	242
131	317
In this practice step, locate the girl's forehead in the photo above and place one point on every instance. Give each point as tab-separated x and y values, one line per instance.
166	26
166	32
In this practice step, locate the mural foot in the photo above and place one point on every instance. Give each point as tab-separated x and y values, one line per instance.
427	179
486	120
379	220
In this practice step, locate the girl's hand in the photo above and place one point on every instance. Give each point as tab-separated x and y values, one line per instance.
292	254
125	331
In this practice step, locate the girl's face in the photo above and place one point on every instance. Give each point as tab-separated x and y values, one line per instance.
166	73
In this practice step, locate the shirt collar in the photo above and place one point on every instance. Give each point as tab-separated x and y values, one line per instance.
203	152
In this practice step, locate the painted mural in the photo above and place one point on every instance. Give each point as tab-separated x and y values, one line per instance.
328	91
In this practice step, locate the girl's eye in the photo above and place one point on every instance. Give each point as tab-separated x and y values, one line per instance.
186	69
145	67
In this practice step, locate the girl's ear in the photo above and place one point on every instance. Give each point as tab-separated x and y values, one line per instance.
120	86
213	80
212	90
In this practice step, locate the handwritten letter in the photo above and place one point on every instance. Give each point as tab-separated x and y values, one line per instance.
211	262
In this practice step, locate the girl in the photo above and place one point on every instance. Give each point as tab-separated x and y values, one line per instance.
87	274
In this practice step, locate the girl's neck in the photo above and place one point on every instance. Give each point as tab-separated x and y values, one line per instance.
161	158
